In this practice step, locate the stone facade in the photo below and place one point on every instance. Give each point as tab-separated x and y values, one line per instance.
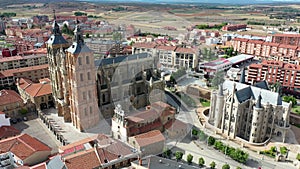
252	113
73	79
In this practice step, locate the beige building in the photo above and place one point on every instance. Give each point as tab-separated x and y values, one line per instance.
253	114
36	95
170	56
34	73
150	143
73	79
11	103
15	62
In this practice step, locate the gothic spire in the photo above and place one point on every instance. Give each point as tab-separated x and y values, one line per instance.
258	103
55	27
78	34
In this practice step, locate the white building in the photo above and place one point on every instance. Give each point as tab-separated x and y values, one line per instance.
253	114
4	121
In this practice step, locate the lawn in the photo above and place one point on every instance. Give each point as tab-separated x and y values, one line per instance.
296	109
204	102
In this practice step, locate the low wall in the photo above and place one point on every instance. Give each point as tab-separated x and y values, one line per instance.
199	91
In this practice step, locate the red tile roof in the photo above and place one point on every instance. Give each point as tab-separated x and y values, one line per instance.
39	166
11	72
167	48
85	159
241	39
144	45
151	137
288	46
186	50
9	97
175	125
271	44
23	146
36	89
8	131
286	35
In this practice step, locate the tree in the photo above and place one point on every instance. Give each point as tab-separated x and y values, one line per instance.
226	166
238	167
66	30
167	153
211	140
178	155
23	111
189	158
212	165
298	157
117	36
201	162
218	79
290	98
78	13
87	35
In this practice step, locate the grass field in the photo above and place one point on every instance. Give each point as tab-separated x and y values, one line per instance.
296	109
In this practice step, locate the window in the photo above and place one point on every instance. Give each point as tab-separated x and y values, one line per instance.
90	94
87	60
79	61
84	95
89	75
81	77
91	110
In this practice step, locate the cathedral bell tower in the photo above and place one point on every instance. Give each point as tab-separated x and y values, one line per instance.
81	77
56	59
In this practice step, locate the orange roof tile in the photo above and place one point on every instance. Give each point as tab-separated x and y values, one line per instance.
23	146
8	131
151	137
144	45
9	96
175	125
87	159
36	89
185	50
39	166
168	48
11	72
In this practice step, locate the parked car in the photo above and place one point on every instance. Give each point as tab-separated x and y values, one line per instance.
25	119
13	121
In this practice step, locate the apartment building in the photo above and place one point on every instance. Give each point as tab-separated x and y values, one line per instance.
276	71
169	55
19	61
34	73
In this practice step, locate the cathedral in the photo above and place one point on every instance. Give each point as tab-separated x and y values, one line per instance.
86	90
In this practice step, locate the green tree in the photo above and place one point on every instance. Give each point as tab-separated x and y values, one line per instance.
283	150
117	36
211	140
290	98
212	165
87	35
66	30
23	111
238	167
178	155
78	13
195	132
218	79
167	153
189	158
298	157
226	166
201	162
